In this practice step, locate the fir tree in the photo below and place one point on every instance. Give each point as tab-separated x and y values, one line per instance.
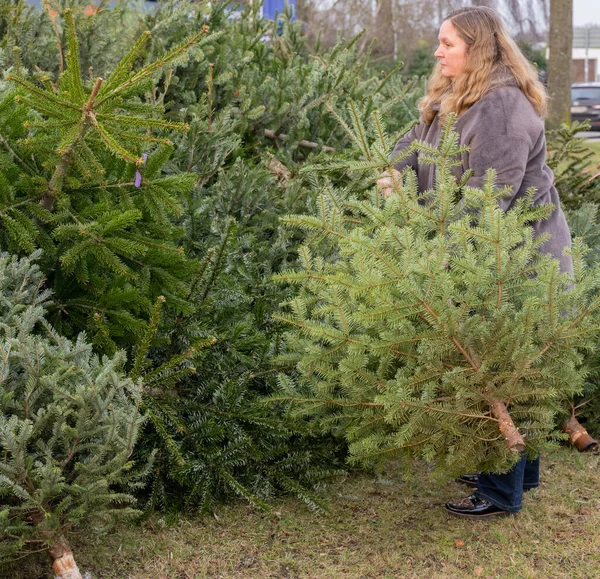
77	183
583	223
569	157
431	326
222	440
68	425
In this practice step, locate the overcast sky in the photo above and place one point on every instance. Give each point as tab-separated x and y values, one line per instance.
586	12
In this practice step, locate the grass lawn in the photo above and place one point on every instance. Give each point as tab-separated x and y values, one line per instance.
376	527
595	146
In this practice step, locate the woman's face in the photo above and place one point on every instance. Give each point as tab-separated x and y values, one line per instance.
451	52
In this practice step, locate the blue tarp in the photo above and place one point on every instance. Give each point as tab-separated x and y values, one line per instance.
273	7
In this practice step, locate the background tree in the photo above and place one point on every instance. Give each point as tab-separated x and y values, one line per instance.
385	48
560	41
412	26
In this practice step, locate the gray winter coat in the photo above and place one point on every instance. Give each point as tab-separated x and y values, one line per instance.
503	131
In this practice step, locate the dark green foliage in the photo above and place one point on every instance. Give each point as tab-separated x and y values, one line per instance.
569	158
226	440
584	223
535	55
256	103
68	424
429	314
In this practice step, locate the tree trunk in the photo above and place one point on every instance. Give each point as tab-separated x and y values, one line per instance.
559	62
514	438
578	435
64	564
303	11
59	549
384	30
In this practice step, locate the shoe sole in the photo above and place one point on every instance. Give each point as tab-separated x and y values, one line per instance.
479	517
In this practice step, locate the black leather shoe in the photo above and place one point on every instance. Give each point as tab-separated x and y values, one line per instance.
468	479
475	508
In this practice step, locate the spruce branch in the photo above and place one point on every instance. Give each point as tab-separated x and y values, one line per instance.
142	122
41	94
358	139
146	341
72	75
9	207
13	154
55	184
112	145
52	16
179	359
126	64
148	70
219	258
415	444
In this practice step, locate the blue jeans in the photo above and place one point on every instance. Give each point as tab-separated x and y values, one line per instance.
506	490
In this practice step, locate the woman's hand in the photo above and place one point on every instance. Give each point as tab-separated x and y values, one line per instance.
384	183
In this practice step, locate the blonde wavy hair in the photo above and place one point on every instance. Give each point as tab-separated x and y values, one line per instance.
491	55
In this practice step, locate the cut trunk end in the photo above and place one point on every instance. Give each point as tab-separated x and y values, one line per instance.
59	550
514	439
579	436
66	568
64	564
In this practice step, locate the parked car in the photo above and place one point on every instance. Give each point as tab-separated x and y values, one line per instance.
585	103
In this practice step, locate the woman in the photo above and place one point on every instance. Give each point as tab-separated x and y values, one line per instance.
482	76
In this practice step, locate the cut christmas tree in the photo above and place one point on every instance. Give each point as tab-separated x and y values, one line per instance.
430	325
80	166
68	425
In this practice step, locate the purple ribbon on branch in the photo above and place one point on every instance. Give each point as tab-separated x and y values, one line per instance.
138	175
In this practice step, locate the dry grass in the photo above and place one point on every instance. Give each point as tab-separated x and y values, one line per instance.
376	527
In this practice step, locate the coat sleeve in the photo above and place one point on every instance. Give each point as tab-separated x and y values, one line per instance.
411	161
509	158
